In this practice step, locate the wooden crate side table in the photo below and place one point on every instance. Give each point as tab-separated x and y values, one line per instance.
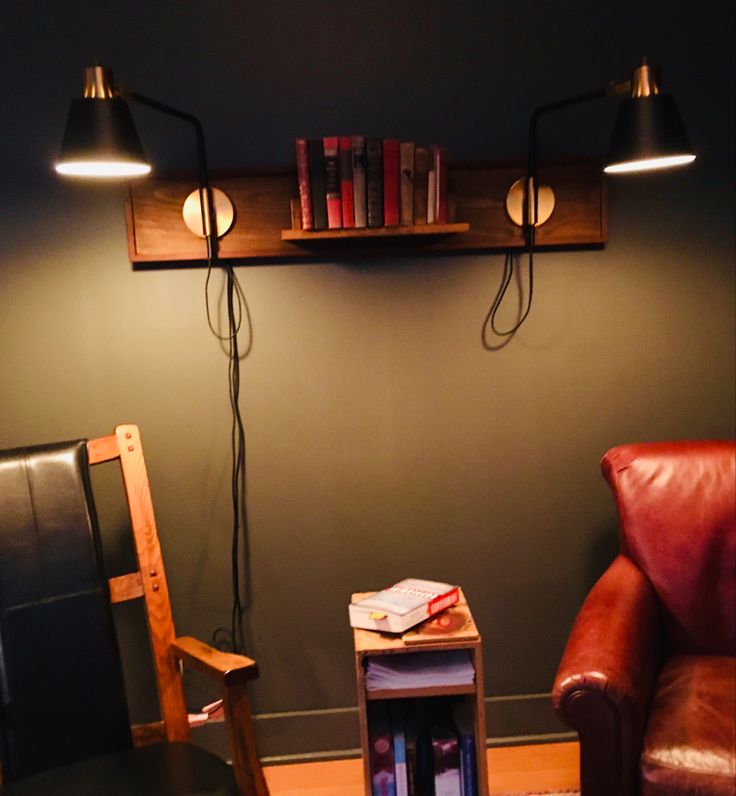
452	629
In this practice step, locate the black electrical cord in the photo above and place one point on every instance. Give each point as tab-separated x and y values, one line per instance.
236	309
237	442
531	213
508	273
233	639
509	266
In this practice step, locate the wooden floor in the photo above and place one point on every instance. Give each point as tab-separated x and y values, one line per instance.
511	769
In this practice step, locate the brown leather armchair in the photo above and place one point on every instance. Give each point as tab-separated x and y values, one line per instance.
648	676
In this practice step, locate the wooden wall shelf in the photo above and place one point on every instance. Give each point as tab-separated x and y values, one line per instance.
300	236
262	228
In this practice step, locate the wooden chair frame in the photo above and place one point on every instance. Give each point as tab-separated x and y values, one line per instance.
231	672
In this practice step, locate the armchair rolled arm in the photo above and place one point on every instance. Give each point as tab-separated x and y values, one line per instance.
606	678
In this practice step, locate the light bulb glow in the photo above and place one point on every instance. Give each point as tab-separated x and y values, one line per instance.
649	164
103	168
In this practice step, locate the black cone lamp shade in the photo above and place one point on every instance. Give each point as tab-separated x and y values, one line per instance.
100	139
648	133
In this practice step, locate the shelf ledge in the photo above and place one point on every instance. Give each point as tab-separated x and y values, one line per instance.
306	236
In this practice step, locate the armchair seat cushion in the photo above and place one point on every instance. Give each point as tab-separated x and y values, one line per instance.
690	741
168	769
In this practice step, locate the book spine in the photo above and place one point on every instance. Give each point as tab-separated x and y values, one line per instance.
302	175
421	170
316	154
374	181
463	718
446	756
440	167
359	195
383	778
467	765
345	156
443	601
399	738
410	734
332	183
391	182
425	763
406	183
431	186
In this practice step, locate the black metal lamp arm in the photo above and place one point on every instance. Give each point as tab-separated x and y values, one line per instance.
205	195
611	89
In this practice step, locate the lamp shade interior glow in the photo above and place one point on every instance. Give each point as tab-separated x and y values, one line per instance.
102	168
648	134
649	164
100	140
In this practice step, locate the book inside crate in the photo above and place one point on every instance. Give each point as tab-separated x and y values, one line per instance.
423	746
353	187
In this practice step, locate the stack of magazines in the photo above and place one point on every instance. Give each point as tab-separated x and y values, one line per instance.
419	670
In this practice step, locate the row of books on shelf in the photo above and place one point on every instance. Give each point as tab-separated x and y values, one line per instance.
422	746
348	182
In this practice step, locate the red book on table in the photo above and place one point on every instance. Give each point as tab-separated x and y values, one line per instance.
332	183
391	182
345	157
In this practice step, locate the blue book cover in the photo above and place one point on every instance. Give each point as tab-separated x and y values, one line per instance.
466	737
398	730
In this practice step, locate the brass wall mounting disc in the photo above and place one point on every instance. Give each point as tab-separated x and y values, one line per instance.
224	212
515	203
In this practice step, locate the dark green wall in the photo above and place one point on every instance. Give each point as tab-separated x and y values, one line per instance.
384	440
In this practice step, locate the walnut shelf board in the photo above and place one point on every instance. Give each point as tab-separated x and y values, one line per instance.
301	236
262	203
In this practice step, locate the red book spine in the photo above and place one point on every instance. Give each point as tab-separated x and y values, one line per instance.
332	183
443	601
391	182
440	160
302	174
345	157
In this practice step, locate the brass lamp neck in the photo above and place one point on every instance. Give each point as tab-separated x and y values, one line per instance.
98	83
644	81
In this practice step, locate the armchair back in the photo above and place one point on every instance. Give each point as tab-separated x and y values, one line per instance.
677	508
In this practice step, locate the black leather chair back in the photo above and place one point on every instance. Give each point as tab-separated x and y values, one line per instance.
61	686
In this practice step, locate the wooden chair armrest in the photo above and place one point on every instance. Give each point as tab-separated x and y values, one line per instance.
229	668
233	671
